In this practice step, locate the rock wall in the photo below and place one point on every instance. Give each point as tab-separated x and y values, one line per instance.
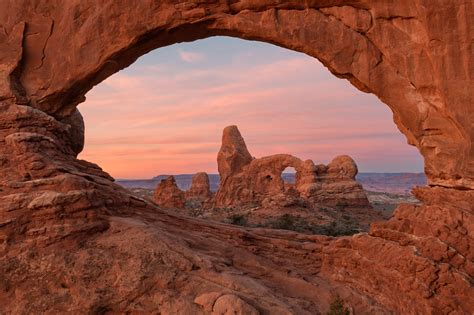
72	241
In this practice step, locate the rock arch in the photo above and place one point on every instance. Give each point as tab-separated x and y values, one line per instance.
414	55
395	52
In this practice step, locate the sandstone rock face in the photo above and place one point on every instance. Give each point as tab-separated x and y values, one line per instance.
233	155
342	166
168	195
257	180
72	241
199	187
334	185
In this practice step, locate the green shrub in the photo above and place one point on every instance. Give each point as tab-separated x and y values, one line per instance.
238	219
285	222
335	229
337	307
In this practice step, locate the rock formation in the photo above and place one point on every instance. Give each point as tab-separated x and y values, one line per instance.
333	185
73	241
254	181
200	192
199	187
233	155
168	195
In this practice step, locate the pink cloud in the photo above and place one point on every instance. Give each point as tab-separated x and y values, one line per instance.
169	122
189	56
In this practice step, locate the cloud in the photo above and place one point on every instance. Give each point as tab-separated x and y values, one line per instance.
191	57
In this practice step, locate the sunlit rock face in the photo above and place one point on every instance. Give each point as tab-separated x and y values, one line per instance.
199	194
72	241
168	195
250	181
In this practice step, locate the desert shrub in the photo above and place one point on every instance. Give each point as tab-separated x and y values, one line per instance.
337	307
285	222
335	229
238	219
346	217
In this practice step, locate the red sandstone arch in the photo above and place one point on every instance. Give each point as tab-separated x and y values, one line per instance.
416	56
394	51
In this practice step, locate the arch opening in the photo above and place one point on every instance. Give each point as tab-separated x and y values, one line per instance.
248	87
288	175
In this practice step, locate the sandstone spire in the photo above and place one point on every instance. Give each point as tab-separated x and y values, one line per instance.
233	155
168	194
200	188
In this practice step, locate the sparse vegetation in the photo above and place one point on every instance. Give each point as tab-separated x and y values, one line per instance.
337	307
341	227
238	219
335	228
285	222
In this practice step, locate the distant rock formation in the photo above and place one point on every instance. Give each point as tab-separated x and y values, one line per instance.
333	185
249	181
245	180
168	195
233	155
200	191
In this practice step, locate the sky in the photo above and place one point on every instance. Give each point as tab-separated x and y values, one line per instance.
165	113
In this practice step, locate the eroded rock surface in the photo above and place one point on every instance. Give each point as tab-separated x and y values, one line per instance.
72	241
